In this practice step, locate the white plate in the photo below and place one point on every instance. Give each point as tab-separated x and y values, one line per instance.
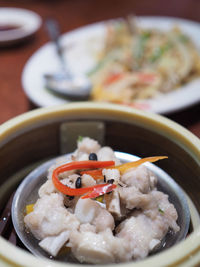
28	22
82	45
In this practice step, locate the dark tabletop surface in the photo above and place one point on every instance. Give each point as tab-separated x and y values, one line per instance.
72	14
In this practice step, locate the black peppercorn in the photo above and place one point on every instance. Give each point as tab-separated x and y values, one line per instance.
93	156
78	182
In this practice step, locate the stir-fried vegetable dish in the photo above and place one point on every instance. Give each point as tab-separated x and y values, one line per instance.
137	63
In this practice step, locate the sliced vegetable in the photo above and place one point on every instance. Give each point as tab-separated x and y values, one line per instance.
160	210
139	50
78	165
99	199
97	174
100	190
80	138
29	208
109	57
159	52
146	77
126	166
183	38
113	78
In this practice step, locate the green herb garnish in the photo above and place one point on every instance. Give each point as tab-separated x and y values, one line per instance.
183	38
141	44
161	211
159	52
80	138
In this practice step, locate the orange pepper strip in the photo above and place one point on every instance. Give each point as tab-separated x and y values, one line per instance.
97	174
124	167
78	165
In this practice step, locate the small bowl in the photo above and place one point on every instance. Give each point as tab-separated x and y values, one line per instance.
17	24
36	136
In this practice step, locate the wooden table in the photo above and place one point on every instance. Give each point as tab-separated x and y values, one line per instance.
72	14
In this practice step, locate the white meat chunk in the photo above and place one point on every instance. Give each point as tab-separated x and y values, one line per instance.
146	228
89	211
88	145
141	235
160	208
85	147
47	188
132	198
113	203
53	244
87	227
87	180
99	248
91	248
111	174
70	180
141	178
60	161
104	220
106	154
50	217
86	210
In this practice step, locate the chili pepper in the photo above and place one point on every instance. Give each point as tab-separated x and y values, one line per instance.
124	167
100	190
97	174
78	165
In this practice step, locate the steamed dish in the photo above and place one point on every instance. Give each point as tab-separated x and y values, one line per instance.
101	210
136	63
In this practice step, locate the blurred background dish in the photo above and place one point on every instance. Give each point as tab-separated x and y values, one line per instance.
83	45
16	24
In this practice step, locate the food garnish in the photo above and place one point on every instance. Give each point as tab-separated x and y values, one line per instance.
29	208
97	189
97	174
